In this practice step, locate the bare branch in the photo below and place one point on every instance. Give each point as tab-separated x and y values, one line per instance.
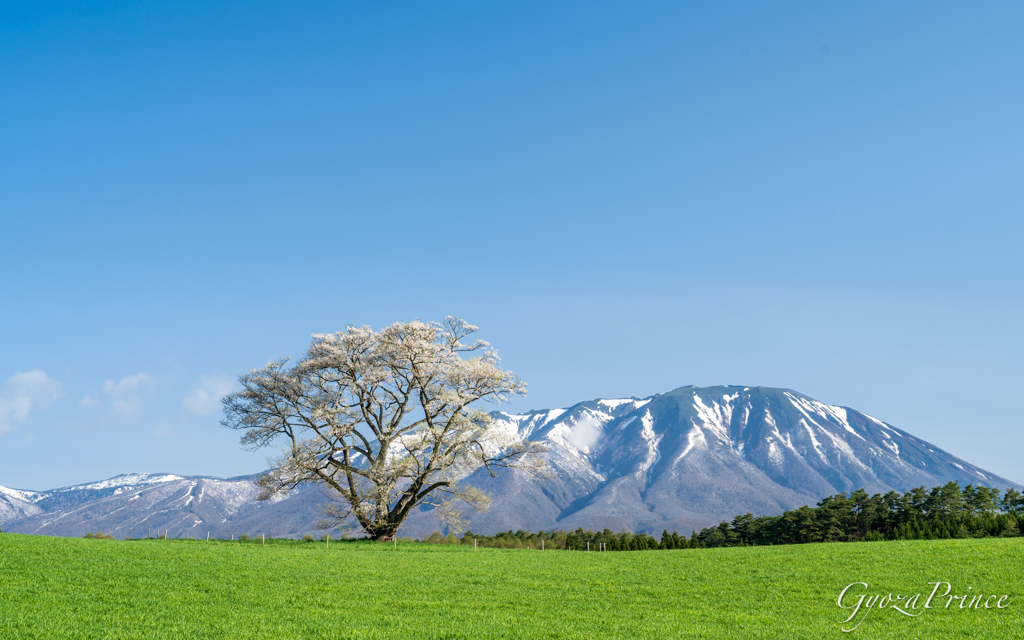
384	419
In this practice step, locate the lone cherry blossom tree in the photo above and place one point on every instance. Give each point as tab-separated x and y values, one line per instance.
383	418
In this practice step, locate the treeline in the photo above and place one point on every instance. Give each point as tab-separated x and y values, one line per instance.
578	540
948	511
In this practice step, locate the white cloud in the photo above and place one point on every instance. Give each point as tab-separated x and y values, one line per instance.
24	392
586	433
205	400
126	394
127	385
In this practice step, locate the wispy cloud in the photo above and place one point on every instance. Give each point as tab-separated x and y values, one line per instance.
205	399
127	385
126	396
24	392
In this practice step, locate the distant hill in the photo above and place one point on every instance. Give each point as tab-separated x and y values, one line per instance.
680	460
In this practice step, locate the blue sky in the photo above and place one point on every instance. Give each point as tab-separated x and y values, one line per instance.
626	198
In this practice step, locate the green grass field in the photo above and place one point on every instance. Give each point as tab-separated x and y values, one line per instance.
73	588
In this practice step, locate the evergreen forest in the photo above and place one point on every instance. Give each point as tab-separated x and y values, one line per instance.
947	511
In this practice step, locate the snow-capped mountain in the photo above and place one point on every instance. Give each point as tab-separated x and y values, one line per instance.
680	460
15	505
140	504
694	456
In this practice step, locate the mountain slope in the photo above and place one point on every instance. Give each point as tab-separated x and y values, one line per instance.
680	460
139	504
692	456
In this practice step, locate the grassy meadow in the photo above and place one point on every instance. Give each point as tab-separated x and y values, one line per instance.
73	588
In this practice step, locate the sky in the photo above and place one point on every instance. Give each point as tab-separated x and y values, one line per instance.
626	198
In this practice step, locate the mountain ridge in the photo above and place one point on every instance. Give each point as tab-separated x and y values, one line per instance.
684	459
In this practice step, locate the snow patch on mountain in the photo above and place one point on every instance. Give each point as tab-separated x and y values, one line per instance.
882	424
29	497
653	452
124	480
694	437
716	417
231	495
815	443
15	504
833	414
616	402
553	415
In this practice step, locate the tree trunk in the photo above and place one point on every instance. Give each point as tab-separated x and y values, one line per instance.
384	533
